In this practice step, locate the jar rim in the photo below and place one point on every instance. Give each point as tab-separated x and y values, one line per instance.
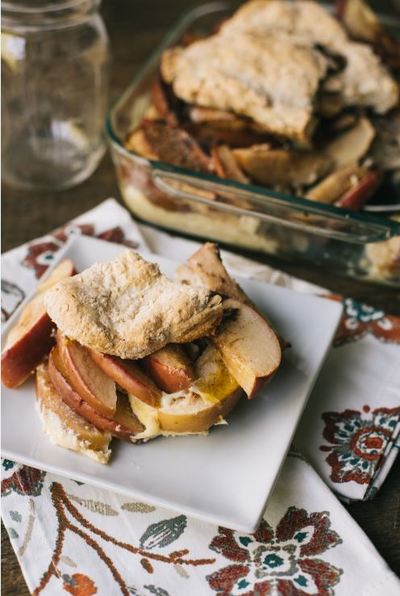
45	7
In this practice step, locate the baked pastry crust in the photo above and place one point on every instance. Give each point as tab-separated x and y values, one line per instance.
302	19
271	79
269	61
128	308
364	80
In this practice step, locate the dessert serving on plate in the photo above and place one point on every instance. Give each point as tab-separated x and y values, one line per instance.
119	350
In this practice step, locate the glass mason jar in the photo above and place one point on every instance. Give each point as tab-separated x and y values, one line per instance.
55	58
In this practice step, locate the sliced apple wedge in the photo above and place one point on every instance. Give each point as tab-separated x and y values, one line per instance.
351	145
359	194
31	338
26	345
66	428
165	102
249	347
206	269
160	140
195	415
86	377
214	382
195	410
364	25
123	425
128	424
331	188
129	376
170	368
226	165
282	167
64	269
212	397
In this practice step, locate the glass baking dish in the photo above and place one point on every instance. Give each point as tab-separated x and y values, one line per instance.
242	215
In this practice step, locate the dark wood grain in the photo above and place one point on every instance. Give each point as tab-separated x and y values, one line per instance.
12	580
135	28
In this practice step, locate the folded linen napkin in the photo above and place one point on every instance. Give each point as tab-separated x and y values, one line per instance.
306	543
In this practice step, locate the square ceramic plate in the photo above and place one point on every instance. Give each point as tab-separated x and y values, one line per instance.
225	477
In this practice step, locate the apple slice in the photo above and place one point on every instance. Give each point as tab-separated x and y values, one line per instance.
128	424
159	140
331	188
86	377
31	338
249	347
226	165
235	133
206	269
128	375
364	25
359	194
123	425
282	167
213	380
351	145
64	269
165	102
64	426
27	343
200	114
196	415
170	368
359	19
214	395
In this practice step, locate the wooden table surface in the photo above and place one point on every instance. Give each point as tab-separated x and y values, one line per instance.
135	28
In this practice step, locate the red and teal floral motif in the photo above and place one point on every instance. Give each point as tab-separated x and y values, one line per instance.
41	253
361	319
282	561
359	441
24	481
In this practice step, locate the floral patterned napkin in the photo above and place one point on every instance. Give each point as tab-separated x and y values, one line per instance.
73	538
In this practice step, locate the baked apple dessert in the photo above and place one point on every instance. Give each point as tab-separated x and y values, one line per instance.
125	352
283	95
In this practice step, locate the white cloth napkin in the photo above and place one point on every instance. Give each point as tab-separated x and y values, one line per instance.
73	538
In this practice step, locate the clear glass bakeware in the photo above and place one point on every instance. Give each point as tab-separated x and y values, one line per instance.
242	215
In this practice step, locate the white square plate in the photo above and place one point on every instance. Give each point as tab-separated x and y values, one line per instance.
226	477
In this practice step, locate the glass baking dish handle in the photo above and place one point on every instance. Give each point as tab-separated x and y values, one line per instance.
270	206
